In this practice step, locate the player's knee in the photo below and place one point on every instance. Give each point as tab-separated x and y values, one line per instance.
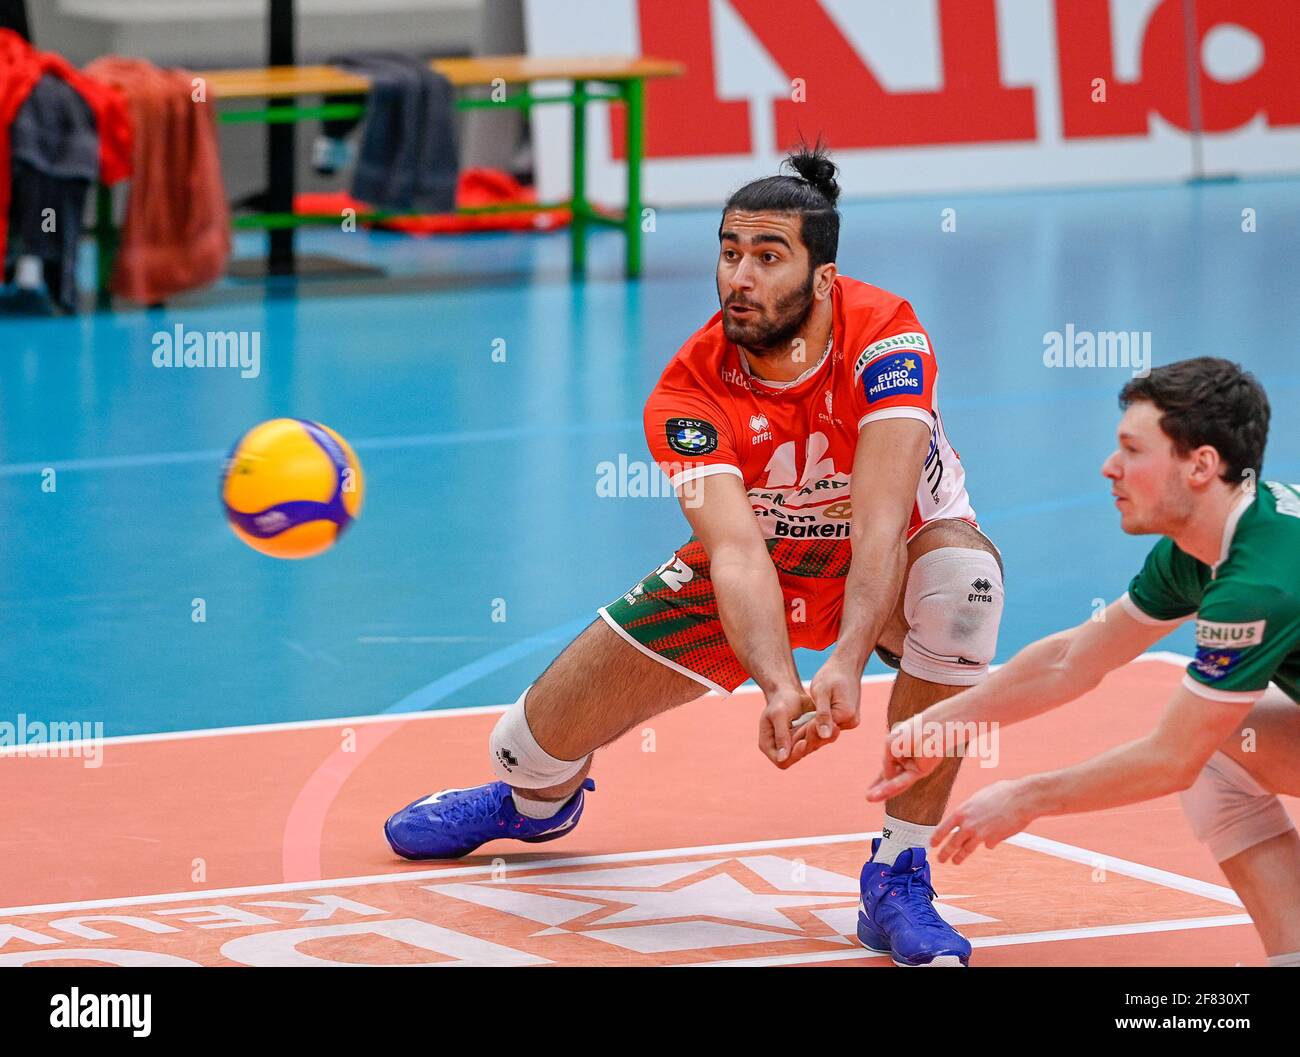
1229	811
518	759
953	604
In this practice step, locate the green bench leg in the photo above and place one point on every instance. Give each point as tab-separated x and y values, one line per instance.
634	93
105	245
578	225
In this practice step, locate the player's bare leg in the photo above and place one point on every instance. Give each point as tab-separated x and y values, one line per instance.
1267	878
924	803
945	625
596	690
1266	875
593	693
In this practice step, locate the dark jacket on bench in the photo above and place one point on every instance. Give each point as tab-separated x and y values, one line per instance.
408	158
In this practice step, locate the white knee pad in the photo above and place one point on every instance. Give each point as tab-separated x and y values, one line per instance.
519	760
953	604
1230	811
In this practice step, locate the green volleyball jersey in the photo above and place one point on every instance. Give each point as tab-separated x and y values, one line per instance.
1247	606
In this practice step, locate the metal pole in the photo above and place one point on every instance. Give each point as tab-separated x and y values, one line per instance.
281	155
13	15
1191	44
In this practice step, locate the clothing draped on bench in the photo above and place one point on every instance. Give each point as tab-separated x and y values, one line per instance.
55	151
408	159
53	148
176	233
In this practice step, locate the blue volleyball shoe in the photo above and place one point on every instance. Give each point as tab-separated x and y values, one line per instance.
453	822
897	915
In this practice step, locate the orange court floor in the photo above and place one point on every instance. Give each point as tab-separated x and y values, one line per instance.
264	846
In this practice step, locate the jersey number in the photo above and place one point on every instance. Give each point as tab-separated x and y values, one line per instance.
675	573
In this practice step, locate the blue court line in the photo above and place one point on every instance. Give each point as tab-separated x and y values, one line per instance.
430	440
414	440
429	695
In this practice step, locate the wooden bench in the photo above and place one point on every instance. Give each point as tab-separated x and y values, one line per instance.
593	79
480	71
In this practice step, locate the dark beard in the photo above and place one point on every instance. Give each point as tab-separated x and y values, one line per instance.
792	312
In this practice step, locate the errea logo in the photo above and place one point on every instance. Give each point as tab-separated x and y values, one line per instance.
1212	634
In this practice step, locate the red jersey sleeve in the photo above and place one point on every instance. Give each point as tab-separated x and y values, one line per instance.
688	433
894	376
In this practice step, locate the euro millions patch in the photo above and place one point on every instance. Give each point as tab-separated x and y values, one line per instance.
902	374
1216	664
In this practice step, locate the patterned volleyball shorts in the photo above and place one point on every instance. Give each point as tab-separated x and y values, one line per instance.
672	614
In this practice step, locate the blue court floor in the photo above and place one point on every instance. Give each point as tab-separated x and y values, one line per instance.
482	475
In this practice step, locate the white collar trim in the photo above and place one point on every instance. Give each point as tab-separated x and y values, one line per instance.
1230	525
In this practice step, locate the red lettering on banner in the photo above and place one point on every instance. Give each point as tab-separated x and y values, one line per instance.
1083	40
845	102
685	117
1273	90
1084	52
849	107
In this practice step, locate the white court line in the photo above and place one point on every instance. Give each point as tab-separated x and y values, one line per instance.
1205	889
423	875
1046	847
1099	932
54	748
1168	656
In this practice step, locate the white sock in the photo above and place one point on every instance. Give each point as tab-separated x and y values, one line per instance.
897	836
536	808
1279	960
29	272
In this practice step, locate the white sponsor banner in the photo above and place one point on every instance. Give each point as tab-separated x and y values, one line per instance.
930	96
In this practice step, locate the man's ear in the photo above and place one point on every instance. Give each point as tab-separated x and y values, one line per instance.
824	279
1206	464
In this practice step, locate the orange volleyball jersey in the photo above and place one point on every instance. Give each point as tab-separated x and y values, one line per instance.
792	444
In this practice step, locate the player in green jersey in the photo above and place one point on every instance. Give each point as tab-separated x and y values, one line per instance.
1191	442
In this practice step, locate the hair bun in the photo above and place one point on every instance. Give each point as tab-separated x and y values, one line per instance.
815	166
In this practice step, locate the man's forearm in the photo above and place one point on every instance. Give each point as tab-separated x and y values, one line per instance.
1140	770
752	610
871	592
1036	680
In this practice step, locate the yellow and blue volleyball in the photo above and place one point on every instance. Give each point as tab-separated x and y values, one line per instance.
290	487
